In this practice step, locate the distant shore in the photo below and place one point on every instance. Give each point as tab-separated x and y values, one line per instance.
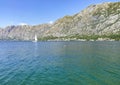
81	40
64	39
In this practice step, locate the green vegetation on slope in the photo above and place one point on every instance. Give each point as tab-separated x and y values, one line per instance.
85	37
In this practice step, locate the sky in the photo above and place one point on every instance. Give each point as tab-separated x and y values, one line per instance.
33	12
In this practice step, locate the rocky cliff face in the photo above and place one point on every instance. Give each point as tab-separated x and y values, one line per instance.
96	19
100	19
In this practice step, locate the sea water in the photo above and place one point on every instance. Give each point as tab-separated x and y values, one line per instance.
60	63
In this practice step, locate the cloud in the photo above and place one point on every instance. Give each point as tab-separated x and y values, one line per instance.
50	22
23	24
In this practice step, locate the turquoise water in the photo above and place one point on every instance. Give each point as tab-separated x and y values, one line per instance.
59	63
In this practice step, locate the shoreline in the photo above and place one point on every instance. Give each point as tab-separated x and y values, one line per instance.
92	40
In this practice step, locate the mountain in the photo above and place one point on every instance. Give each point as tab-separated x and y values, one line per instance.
96	21
23	32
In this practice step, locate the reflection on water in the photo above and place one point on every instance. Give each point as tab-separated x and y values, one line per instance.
35	48
59	63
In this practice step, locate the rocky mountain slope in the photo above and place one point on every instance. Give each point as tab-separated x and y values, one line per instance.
95	20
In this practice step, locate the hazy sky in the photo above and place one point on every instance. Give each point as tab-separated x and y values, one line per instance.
14	12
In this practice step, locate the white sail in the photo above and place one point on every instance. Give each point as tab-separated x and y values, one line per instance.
36	38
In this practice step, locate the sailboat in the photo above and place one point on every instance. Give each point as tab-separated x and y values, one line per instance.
35	40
